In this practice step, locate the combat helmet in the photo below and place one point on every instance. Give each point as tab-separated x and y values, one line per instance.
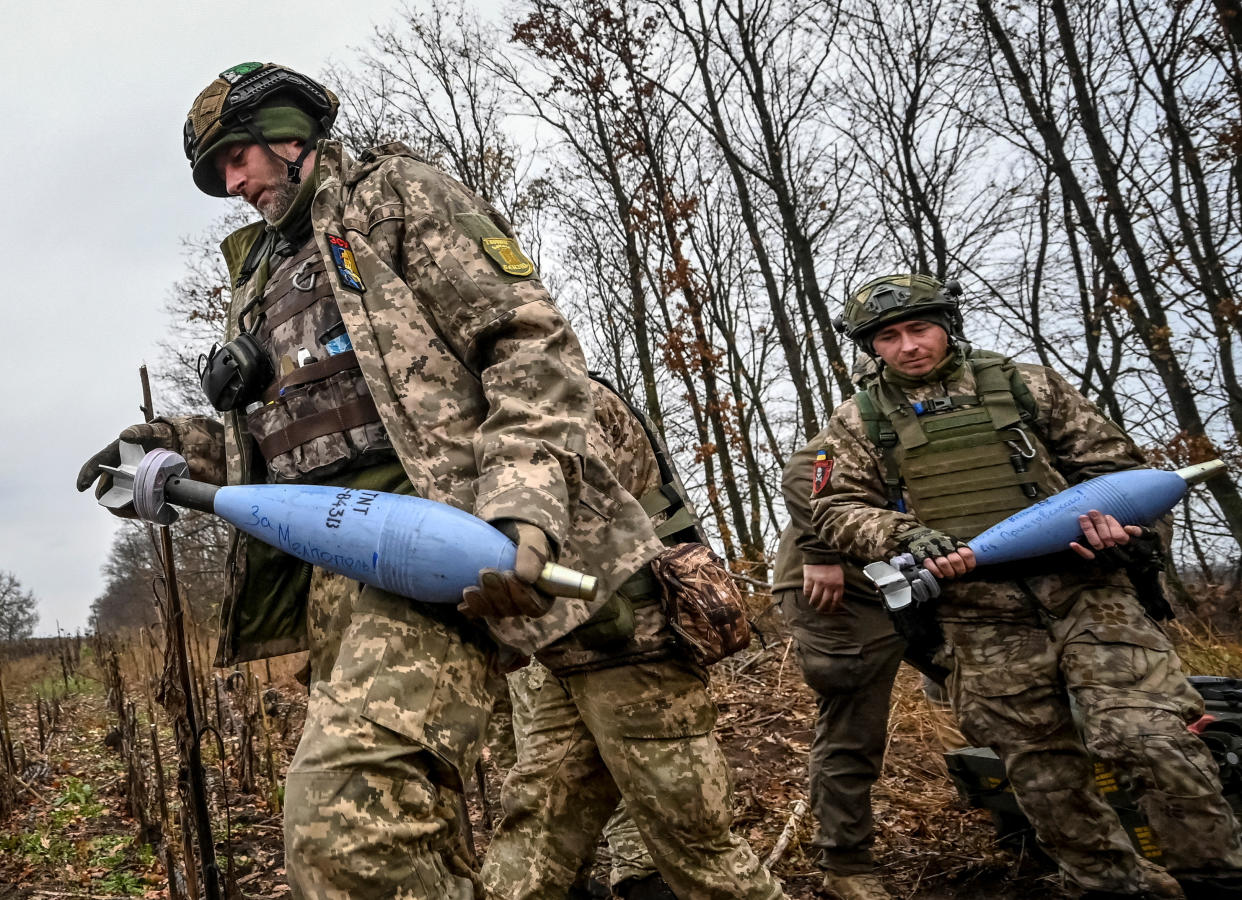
255	102
894	298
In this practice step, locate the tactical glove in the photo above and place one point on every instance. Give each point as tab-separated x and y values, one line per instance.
502	594
925	543
197	438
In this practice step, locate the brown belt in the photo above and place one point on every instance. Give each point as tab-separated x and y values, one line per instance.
358	412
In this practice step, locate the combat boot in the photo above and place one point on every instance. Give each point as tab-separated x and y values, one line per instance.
650	887
1158	883
854	887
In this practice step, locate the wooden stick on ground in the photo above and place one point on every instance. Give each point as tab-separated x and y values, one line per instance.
791	828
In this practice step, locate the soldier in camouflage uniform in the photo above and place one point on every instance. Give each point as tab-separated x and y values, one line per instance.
1047	656
387	332
624	715
632	873
849	654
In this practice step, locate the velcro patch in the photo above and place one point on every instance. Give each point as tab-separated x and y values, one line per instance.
505	253
821	473
346	265
234	75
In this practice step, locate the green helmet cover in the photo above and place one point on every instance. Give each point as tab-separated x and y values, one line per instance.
895	298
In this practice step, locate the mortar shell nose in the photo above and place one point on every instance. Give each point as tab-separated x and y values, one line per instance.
1202	471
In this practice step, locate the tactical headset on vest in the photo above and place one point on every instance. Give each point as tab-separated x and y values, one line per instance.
227	108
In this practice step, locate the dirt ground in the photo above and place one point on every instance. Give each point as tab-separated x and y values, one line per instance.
70	833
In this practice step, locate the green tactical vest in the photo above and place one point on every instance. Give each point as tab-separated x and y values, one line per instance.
966	462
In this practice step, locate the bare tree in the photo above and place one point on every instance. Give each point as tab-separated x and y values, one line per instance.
19	611
424	79
1111	217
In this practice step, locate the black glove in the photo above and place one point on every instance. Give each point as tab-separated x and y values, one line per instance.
200	440
925	543
1142	558
512	593
150	435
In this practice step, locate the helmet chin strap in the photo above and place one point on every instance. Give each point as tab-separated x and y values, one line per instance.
292	167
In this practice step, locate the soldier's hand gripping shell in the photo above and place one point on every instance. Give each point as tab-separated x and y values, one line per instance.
197	438
927	543
151	435
502	594
944	555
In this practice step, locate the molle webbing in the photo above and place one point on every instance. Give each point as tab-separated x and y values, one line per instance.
316	371
665	499
318	416
966	462
321	424
286	307
963	479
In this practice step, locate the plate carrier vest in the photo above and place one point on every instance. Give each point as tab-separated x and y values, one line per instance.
966	462
318	417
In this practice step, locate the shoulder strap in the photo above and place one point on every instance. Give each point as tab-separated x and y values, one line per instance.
882	434
995	392
1002	389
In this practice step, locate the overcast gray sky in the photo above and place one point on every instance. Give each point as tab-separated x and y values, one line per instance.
98	197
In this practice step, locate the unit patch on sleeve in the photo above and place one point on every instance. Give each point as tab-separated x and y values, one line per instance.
505	253
821	473
346	266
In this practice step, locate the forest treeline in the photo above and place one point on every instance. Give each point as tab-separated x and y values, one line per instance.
702	183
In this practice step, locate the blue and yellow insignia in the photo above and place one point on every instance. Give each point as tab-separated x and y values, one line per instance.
346	265
506	254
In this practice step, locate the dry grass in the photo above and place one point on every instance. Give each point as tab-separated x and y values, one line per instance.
1205	650
930	845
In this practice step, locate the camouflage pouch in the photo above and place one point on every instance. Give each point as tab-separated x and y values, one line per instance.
702	602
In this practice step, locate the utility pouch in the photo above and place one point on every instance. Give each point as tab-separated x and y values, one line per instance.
702	602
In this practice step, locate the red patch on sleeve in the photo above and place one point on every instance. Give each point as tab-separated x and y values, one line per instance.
821	474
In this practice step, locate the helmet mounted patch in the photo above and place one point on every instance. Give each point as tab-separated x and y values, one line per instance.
234	75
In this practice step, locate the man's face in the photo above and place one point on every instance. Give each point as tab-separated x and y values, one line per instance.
250	172
913	347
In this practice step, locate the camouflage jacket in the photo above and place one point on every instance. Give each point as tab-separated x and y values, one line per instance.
479	381
850	511
619	439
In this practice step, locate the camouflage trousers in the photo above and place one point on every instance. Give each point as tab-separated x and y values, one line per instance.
642	733
628	856
1100	674
849	660
397	707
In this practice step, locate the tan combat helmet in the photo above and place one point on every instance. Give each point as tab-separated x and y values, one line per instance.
895	298
255	102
